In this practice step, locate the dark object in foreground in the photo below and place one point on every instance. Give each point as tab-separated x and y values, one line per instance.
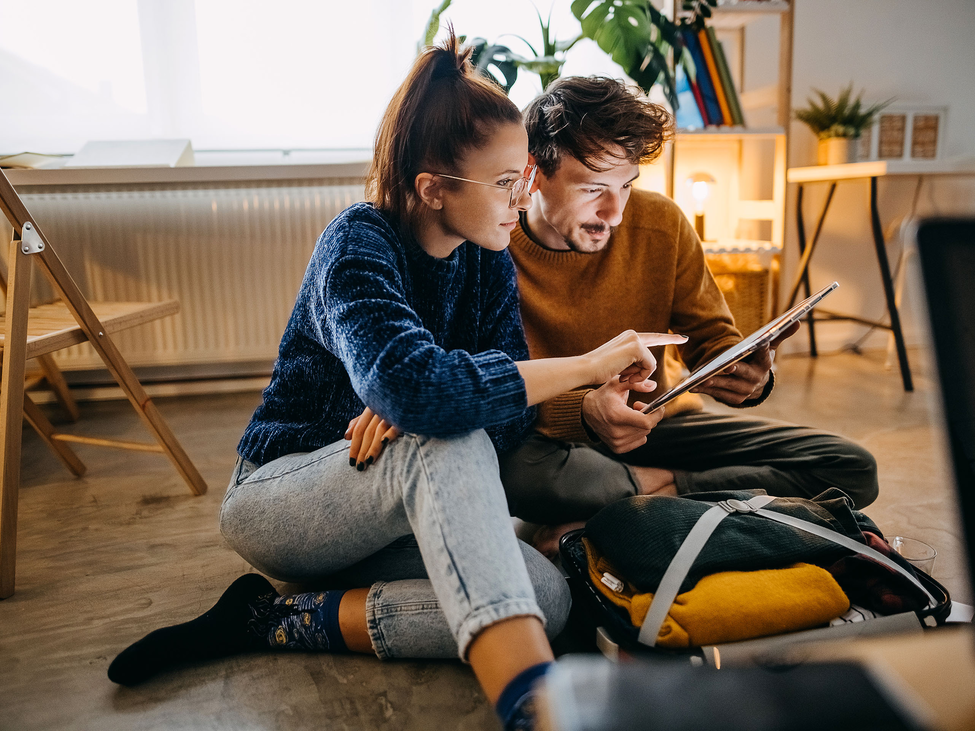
593	694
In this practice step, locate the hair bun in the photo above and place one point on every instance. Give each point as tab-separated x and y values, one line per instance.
450	60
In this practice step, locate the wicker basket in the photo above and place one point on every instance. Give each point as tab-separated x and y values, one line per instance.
747	286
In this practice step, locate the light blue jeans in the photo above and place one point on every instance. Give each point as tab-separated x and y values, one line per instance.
426	528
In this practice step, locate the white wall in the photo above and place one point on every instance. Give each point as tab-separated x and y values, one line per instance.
921	52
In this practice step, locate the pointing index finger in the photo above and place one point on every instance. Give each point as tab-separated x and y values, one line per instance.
651	340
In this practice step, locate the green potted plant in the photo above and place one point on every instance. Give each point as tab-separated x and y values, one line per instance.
641	39
548	63
500	62
838	123
634	33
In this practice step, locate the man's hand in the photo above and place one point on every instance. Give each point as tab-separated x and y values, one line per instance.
618	425
747	378
369	434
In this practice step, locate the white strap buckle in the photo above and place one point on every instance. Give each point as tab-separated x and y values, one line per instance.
738	506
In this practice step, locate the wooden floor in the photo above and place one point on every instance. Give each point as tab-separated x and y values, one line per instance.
125	549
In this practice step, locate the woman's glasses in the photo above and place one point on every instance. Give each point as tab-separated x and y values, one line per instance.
516	189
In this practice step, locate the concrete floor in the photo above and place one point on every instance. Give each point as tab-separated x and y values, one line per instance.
106	558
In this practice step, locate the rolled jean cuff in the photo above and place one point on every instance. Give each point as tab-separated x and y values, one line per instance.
479	620
386	621
400	626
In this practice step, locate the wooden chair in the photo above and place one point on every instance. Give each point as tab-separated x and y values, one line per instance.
46	374
35	332
50	375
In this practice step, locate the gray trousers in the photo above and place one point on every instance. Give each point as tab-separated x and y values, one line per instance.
551	482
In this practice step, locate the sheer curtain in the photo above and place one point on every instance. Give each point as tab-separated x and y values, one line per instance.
233	74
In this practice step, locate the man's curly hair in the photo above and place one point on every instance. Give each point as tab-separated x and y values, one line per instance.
592	118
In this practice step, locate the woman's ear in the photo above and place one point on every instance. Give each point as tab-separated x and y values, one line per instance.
429	189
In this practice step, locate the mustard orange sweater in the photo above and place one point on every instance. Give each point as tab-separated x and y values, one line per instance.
651	277
730	606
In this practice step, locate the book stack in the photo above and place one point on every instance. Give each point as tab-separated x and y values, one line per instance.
706	94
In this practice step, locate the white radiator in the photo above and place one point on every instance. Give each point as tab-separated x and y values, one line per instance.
233	255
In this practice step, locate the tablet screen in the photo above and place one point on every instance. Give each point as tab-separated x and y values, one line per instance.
735	353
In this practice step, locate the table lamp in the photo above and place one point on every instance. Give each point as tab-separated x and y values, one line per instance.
699	184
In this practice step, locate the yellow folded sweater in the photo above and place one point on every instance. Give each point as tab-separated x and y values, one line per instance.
731	605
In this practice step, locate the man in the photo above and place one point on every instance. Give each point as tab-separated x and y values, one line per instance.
594	257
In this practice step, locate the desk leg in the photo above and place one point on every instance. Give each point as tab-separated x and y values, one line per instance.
802	275
895	320
804	271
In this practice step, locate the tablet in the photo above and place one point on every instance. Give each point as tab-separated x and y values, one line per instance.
753	342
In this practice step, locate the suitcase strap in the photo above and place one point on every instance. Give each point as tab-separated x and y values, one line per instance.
698	536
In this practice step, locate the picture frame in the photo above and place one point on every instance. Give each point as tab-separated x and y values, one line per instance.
902	132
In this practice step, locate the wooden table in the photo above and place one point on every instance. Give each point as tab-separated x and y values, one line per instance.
833	174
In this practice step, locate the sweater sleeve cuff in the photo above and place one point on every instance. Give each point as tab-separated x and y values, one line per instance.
760	399
561	418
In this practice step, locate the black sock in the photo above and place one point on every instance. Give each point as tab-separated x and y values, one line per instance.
224	630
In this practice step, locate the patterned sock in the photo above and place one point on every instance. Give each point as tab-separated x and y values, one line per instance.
301	621
515	706
220	632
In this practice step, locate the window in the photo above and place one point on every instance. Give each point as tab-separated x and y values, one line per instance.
231	74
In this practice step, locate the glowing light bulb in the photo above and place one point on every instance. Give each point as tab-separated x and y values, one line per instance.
699	192
700	189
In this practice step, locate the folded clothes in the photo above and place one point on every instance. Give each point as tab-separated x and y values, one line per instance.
729	605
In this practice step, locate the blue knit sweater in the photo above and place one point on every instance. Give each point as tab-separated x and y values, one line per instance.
430	344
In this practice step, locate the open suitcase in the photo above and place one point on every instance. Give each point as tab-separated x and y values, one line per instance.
614	627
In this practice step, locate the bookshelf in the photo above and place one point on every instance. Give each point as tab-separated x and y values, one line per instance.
730	20
744	214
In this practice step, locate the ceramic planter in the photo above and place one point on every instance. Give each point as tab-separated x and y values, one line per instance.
836	150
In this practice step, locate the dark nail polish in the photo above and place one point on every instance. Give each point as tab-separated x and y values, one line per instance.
360	466
351	461
385	441
369	460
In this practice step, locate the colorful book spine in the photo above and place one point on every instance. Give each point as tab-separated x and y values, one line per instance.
689	72
687	115
712	109
724	72
699	100
705	40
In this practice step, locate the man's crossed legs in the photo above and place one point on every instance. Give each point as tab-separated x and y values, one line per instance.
552	483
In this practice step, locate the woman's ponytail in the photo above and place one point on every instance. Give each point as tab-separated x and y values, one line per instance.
442	109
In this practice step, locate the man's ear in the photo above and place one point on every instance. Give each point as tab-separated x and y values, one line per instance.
429	189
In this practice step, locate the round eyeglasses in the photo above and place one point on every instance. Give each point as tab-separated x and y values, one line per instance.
516	189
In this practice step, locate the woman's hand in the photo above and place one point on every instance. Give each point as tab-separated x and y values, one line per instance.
628	356
369	433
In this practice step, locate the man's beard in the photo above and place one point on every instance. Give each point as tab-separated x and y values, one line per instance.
591	228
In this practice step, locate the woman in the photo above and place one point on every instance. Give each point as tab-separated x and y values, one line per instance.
407	316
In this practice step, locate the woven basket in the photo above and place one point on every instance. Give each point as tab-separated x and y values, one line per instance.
747	287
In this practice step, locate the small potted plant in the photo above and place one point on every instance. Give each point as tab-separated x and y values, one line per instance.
838	123
499	62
